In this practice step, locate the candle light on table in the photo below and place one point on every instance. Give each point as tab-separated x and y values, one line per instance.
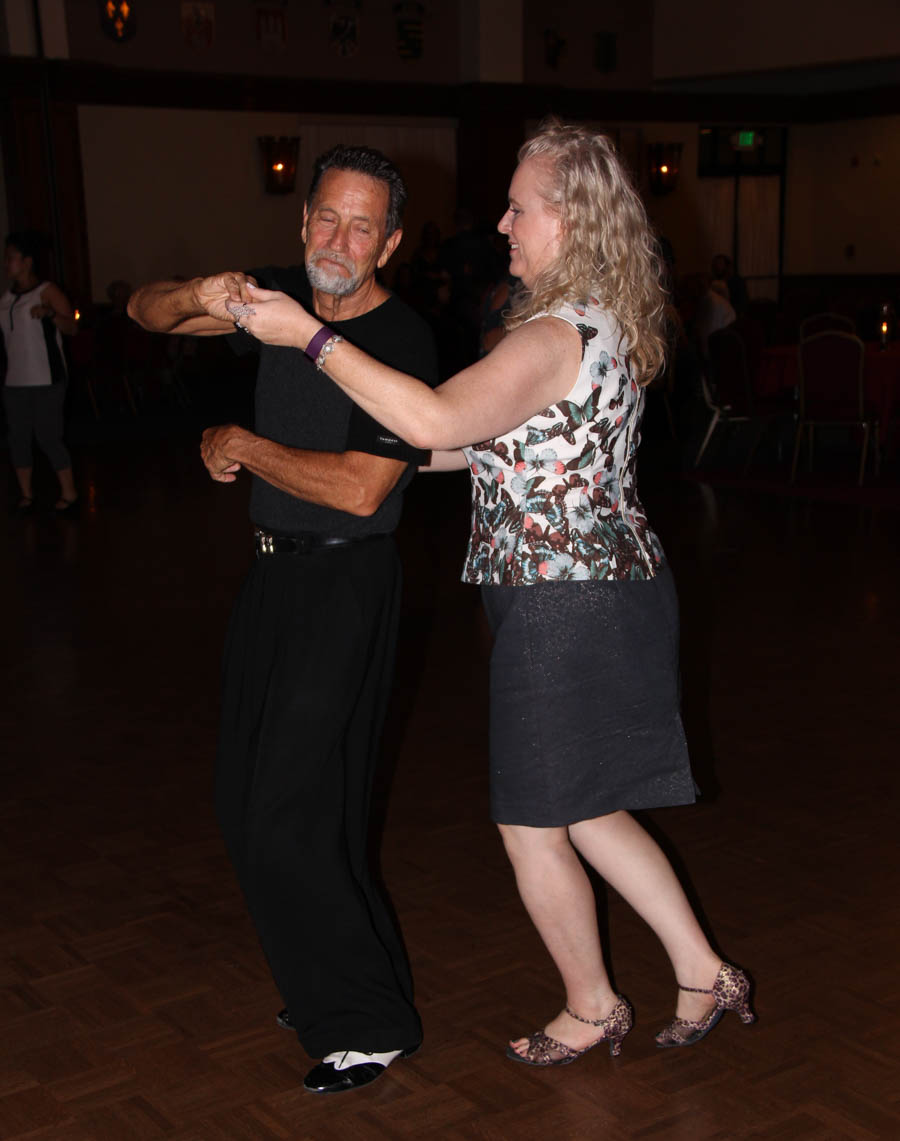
885	324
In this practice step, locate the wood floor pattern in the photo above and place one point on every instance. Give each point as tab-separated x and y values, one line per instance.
134	1002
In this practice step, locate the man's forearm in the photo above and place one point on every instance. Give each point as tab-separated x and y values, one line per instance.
354	482
162	306
201	307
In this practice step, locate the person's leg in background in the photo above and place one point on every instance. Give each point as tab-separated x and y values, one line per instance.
48	429
19	405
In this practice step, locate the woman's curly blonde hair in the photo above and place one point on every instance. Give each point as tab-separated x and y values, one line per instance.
608	248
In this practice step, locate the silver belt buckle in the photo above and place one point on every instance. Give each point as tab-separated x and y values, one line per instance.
265	543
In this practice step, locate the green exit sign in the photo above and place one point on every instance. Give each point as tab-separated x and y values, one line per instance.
746	138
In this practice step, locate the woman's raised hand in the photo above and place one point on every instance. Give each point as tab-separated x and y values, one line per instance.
275	318
214	294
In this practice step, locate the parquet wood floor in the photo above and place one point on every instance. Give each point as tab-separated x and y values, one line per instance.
134	1002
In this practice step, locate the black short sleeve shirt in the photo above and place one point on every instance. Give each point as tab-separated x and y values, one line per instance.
298	406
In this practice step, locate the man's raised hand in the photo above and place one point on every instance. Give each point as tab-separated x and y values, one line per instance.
214	293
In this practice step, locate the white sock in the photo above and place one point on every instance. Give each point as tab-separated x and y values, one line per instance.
343	1059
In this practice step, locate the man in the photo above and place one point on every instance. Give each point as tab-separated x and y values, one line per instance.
310	646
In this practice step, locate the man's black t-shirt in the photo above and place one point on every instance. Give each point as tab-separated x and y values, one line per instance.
298	406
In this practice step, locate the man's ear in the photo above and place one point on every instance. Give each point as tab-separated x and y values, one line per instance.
389	246
303	228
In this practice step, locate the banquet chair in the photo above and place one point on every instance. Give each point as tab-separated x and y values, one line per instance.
825	322
832	393
727	386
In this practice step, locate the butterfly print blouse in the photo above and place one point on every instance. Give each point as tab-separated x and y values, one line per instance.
555	499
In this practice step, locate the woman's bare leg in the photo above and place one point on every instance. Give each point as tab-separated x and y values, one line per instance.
68	494
560	900
23	475
632	863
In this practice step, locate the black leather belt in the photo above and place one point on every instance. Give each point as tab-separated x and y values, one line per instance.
304	543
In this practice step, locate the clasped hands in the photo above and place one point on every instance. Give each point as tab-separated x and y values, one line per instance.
271	316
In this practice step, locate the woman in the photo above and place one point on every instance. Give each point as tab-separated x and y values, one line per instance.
34	314
584	692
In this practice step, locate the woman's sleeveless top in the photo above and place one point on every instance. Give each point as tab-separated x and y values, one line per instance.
555	499
34	352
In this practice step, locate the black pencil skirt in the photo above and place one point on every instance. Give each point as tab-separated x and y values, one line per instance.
585	703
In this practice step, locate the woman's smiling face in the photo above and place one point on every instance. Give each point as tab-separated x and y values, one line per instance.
534	232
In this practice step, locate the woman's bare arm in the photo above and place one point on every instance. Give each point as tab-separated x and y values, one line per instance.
445	461
56	305
531	368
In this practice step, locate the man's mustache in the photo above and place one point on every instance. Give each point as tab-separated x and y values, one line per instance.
328	255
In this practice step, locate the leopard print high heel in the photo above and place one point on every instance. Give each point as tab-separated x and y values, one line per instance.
542	1050
730	991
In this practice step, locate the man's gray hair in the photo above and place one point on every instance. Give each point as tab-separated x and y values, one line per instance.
365	160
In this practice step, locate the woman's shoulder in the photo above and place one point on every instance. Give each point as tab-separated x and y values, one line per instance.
20	296
598	328
8	298
586	315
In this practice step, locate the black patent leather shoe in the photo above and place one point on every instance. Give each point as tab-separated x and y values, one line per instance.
283	1018
341	1071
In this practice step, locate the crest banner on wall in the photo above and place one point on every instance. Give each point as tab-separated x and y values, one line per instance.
271	25
343	26
344	35
410	18
198	23
118	20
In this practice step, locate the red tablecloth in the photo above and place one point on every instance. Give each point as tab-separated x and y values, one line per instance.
780	370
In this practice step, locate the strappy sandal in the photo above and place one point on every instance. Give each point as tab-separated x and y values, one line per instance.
543	1050
730	991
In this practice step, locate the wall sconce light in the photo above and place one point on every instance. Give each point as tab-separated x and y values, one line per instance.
279	162
117	20
664	160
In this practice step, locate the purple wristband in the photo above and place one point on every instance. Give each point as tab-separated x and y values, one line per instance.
314	347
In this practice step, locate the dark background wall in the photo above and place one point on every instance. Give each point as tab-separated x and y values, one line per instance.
155	165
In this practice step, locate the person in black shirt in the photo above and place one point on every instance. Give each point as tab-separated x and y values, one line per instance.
310	647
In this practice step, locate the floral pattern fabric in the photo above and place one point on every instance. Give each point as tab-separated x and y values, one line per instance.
555	499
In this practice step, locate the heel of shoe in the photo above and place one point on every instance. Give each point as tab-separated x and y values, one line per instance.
618	1024
615	1046
731	991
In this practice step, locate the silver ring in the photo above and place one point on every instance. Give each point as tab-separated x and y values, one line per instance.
238	325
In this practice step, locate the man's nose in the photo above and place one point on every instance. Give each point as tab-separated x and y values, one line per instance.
339	239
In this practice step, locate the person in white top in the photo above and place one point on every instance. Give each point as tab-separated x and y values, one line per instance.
34	313
714	312
585	723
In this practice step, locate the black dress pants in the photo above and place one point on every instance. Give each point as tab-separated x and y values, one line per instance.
307	674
